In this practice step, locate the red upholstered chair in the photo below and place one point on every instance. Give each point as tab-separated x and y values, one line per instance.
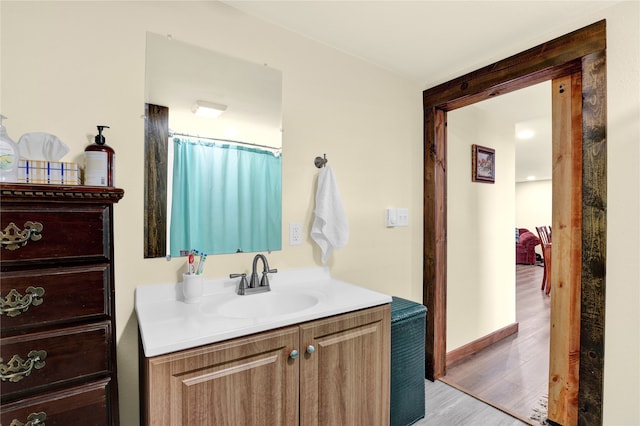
545	239
526	247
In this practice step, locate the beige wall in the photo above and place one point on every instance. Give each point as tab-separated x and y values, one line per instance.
533	205
622	331
67	66
480	266
480	221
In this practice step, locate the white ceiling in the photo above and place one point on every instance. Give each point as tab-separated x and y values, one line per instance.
428	41
432	42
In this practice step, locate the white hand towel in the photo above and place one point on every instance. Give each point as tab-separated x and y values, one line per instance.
330	229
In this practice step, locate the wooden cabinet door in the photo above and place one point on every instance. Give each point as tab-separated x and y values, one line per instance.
245	381
345	378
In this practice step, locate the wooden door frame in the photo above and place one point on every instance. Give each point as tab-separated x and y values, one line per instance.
581	53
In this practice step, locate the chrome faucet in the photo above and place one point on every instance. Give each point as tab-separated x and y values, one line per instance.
254	286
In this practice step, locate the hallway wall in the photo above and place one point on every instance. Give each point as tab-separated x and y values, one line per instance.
480	223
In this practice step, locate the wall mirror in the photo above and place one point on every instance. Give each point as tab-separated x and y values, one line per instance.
189	204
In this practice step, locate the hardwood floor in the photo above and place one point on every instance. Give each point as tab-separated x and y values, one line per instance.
447	406
513	373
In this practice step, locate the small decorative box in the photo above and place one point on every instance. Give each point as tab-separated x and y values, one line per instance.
53	172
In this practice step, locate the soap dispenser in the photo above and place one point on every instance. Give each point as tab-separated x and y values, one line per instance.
9	156
100	162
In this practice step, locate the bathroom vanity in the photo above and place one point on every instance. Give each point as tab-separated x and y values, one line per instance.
316	352
58	353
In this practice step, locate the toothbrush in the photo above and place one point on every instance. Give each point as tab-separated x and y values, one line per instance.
191	260
203	257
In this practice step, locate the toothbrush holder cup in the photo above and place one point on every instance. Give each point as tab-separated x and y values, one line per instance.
192	287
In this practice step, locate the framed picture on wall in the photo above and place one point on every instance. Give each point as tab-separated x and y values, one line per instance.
483	164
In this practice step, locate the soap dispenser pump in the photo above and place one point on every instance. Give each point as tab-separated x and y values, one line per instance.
100	162
9	156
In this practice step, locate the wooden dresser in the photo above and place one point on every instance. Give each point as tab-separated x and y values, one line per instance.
57	349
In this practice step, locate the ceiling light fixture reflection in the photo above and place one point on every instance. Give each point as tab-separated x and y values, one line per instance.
531	178
208	109
525	134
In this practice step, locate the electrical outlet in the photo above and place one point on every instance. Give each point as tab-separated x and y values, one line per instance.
295	233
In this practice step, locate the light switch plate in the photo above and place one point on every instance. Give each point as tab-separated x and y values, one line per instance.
402	217
397	217
391	218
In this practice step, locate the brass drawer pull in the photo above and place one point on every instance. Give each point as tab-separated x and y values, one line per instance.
13	238
15	303
33	419
18	368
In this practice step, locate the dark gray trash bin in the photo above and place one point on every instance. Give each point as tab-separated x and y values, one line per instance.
408	326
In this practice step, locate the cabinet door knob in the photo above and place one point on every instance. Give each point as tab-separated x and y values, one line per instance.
310	349
294	354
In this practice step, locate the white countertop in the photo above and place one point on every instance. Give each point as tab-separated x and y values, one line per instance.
168	324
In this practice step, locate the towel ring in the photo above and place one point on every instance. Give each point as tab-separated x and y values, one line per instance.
320	162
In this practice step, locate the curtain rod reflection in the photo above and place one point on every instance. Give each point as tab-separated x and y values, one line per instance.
274	148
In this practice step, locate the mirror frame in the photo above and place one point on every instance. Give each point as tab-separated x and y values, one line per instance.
156	141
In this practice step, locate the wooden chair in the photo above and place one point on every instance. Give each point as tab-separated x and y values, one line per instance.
544	233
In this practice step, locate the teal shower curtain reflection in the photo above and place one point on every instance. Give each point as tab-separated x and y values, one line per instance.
225	198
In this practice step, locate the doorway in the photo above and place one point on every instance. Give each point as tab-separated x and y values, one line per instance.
577	61
497	317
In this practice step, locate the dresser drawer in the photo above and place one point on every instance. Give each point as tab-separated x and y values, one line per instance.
67	232
85	405
33	361
53	296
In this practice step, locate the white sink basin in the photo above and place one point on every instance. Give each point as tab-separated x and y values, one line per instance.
265	305
168	324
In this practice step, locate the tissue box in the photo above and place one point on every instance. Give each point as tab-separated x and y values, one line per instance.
53	172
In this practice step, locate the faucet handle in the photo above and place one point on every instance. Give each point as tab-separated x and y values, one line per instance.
243	282
264	282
